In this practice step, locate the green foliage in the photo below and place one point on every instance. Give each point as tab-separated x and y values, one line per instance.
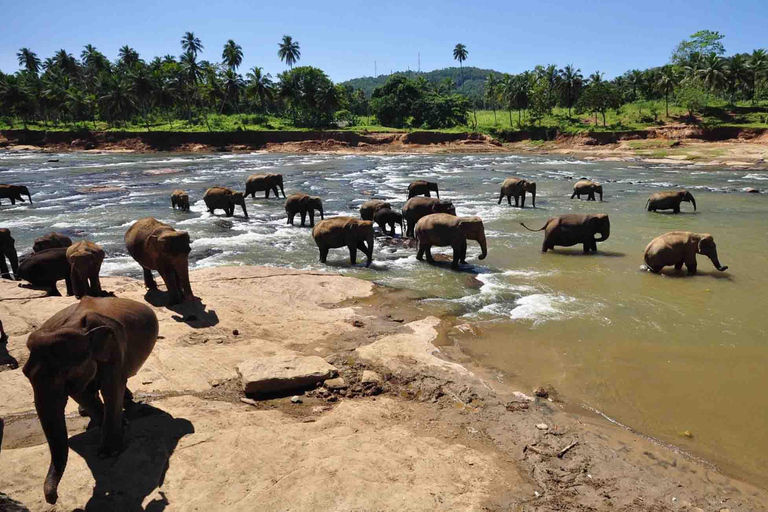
311	96
393	103
703	42
599	97
692	97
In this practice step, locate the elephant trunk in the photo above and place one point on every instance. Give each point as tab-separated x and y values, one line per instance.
716	262
13	258
604	234
282	189
50	405
30	197
321	212
693	202
533	197
245	212
437	191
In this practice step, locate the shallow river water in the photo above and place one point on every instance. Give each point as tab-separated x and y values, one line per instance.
662	354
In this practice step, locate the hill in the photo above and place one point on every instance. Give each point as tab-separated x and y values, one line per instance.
470	81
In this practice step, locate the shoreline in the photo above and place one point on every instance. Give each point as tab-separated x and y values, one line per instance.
430	392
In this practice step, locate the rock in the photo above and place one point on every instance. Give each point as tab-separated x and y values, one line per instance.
370	377
296	399
541	392
687	433
542	426
523	396
283	373
337	383
235	332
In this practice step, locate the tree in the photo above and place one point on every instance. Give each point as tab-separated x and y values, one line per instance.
29	60
737	75
712	72
191	44
128	57
666	82
692	97
232	55
311	95
599	96
570	81
702	42
393	103
260	86
289	51
460	54
492	93
758	66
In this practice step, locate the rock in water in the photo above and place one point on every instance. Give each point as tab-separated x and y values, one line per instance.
283	373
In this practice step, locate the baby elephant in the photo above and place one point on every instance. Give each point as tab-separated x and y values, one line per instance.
47	267
443	229
223	198
85	259
303	204
385	216
422	187
515	187
587	188
344	232
573	228
181	199
678	248
368	208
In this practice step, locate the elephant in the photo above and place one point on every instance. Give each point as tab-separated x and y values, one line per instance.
266	182
515	187
51	241
181	199
678	248
6	359
85	259
574	228
8	250
344	232
587	188
368	208
442	229
303	204
421	187
89	347
157	246
417	207
223	198
14	193
385	216
45	268
669	201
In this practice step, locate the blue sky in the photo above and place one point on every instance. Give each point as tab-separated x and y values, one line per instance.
345	38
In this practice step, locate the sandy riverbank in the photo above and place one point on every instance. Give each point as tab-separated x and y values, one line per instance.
436	433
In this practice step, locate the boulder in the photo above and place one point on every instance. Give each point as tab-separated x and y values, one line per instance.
370	377
337	383
283	373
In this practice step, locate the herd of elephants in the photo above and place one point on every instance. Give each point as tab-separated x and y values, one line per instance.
92	347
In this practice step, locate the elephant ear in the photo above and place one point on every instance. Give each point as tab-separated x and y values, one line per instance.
706	243
102	339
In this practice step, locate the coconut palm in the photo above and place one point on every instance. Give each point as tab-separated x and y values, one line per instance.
29	60
128	56
191	44
667	80
738	75
260	86
232	55
758	66
65	62
289	51
596	77
492	92
570	81
712	72
460	54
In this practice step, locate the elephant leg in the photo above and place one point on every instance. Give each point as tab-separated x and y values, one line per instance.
522	201
676	209
352	253
290	218
149	281
392	233
679	265
4	268
173	285
53	290
323	254
303	218
690	263
501	196
274	189
456	255
420	252
90	405
427	194
311	219
68	283
517	201
266	194
113	390
509	200
463	258
574	195
428	253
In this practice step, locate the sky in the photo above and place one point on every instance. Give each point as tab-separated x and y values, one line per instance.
348	39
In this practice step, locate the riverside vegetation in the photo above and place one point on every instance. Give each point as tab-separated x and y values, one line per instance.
699	85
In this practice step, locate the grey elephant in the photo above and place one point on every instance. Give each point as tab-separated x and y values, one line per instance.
51	241
266	182
85	259
422	187
181	199
90	347
14	193
417	207
587	188
223	198
516	187
303	204
680	248
669	201
442	229
573	228
368	208
344	232
386	217
8	250
46	268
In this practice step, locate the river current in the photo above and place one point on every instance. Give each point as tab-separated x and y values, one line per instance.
663	354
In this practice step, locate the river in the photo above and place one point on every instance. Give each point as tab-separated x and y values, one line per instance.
662	354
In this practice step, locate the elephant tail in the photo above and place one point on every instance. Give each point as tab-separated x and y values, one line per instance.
529	229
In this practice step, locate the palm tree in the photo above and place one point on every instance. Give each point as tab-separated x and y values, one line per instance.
666	82
65	62
596	77
738	75
259	85
492	92
570	80
232	55
128	56
460	54
191	44
635	80
289	51
712	72
29	60
758	65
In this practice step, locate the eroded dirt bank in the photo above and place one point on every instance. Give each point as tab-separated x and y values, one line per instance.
430	434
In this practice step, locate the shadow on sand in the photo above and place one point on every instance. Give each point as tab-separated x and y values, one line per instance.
193	313
123	482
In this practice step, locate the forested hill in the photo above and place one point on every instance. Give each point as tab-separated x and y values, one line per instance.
471	84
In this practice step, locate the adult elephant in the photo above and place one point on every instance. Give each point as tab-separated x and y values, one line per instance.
303	204
516	187
8	250
680	248
85	259
386	217
442	229
14	193
46	268
223	198
51	241
669	201
573	228
417	207
157	246
587	188
181	199
344	232
368	208
422	188
90	347
266	182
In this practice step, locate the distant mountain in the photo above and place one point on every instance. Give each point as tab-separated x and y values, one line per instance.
472	83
